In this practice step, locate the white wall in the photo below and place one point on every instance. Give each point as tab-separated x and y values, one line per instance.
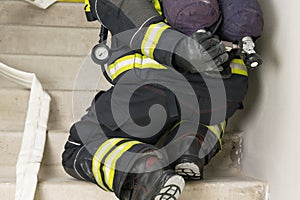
271	120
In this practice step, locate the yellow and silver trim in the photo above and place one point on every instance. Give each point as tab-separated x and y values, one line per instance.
152	37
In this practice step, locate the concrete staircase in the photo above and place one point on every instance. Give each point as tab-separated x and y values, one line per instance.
54	45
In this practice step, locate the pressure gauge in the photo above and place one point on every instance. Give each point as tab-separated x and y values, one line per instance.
100	54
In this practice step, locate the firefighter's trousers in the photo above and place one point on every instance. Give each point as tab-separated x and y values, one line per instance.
147	107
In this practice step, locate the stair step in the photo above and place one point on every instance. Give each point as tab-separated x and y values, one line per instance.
62	41
225	164
59	14
62	72
237	188
13	108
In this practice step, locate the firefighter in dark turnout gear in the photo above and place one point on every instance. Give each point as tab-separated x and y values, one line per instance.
117	144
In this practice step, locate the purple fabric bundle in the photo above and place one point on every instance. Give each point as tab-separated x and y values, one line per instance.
240	17
188	16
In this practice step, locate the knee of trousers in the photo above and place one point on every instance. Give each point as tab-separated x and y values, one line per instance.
76	160
143	164
71	148
68	159
240	19
108	162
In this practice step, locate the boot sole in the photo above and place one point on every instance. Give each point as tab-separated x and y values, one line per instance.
172	189
189	171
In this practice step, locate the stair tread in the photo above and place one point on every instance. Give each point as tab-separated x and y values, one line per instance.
243	188
13	107
55	41
211	180
26	14
54	183
225	164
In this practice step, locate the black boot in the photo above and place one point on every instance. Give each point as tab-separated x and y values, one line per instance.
190	165
148	180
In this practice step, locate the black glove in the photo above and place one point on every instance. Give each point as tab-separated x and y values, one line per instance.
198	53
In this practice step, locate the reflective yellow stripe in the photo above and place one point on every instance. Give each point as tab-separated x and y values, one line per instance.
87	6
176	125
120	71
146	38
150	65
238	61
223	125
111	160
157	6
132	61
155	41
238	67
125	58
239	72
99	155
216	131
152	37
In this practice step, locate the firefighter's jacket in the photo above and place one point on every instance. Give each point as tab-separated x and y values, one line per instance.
141	38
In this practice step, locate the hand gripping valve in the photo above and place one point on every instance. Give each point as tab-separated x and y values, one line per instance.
246	48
